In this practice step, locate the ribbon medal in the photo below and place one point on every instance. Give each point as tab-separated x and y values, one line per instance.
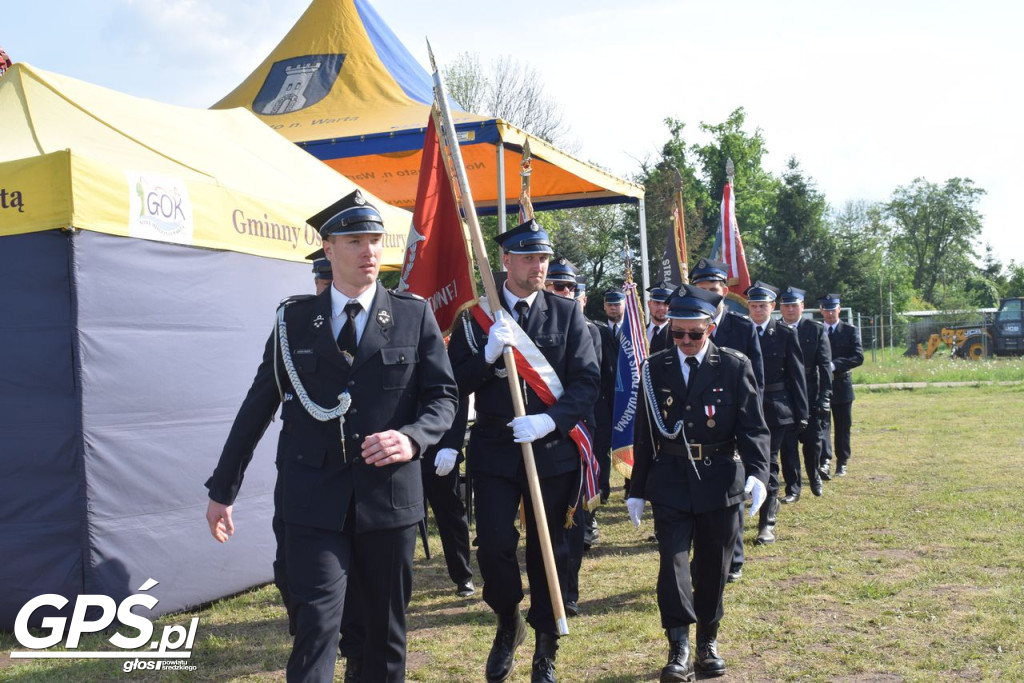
709	410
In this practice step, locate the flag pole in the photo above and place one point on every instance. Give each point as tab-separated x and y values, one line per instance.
680	228
480	251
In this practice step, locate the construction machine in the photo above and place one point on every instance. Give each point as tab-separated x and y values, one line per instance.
1002	336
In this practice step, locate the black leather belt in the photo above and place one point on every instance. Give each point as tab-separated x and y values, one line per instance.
777	386
493	422
697	451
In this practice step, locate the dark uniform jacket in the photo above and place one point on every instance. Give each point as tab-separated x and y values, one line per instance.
557	327
400	379
725	380
847	354
599	408
785	389
817	357
738	332
609	364
661	340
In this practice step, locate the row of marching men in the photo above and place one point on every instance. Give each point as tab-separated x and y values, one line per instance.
730	401
372	405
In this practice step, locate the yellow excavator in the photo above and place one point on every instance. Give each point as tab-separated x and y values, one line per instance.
1004	336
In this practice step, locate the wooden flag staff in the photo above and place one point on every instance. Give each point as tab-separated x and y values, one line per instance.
453	162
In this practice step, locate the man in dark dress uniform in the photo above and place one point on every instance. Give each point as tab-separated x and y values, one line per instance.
441	486
552	330
785	391
561	281
733	331
614	304
322	275
847	354
701	445
365	386
657	326
817	372
601	430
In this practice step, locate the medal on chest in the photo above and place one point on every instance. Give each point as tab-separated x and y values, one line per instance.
709	410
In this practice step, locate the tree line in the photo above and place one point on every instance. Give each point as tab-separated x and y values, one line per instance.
917	250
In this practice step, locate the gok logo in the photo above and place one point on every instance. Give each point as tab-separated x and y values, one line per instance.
159	209
175	642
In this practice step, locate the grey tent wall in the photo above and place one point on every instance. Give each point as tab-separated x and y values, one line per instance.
169	338
41	491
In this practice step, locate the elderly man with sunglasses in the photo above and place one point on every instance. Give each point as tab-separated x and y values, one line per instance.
701	445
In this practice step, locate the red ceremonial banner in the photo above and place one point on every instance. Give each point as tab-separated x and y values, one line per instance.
437	264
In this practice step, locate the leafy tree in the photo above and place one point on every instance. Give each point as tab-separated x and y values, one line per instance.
797	247
935	228
509	90
659	181
865	271
593	238
1014	280
755	187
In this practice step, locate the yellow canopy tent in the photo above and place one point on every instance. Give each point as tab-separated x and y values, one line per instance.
342	86
143	251
78	155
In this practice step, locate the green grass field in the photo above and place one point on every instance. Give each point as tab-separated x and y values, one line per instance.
909	569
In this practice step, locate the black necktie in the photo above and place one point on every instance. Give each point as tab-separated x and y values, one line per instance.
347	336
692	363
831	329
760	331
522	311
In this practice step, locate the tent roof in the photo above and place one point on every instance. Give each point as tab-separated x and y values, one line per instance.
341	85
85	156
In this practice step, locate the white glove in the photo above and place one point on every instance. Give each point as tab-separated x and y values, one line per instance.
758	493
636	509
445	460
501	334
529	428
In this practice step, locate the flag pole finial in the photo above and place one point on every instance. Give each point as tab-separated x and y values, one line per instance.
730	169
430	52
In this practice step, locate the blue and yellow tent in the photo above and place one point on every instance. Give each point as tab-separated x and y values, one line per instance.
341	86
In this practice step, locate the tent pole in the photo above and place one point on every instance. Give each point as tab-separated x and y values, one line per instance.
642	214
501	185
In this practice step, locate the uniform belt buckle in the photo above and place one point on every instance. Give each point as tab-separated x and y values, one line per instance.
700	456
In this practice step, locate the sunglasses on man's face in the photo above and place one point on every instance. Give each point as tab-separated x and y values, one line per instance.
696	335
562	286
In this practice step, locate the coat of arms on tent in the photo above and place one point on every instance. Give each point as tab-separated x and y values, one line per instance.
297	83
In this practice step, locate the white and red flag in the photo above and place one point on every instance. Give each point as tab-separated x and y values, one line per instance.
729	246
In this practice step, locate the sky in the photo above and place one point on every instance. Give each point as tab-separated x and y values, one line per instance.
867	95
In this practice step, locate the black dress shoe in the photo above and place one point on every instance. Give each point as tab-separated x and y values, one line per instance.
734	576
511	634
791	498
353	669
816	488
825	472
707	661
841	470
466	588
765	534
679	667
544	658
572	608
